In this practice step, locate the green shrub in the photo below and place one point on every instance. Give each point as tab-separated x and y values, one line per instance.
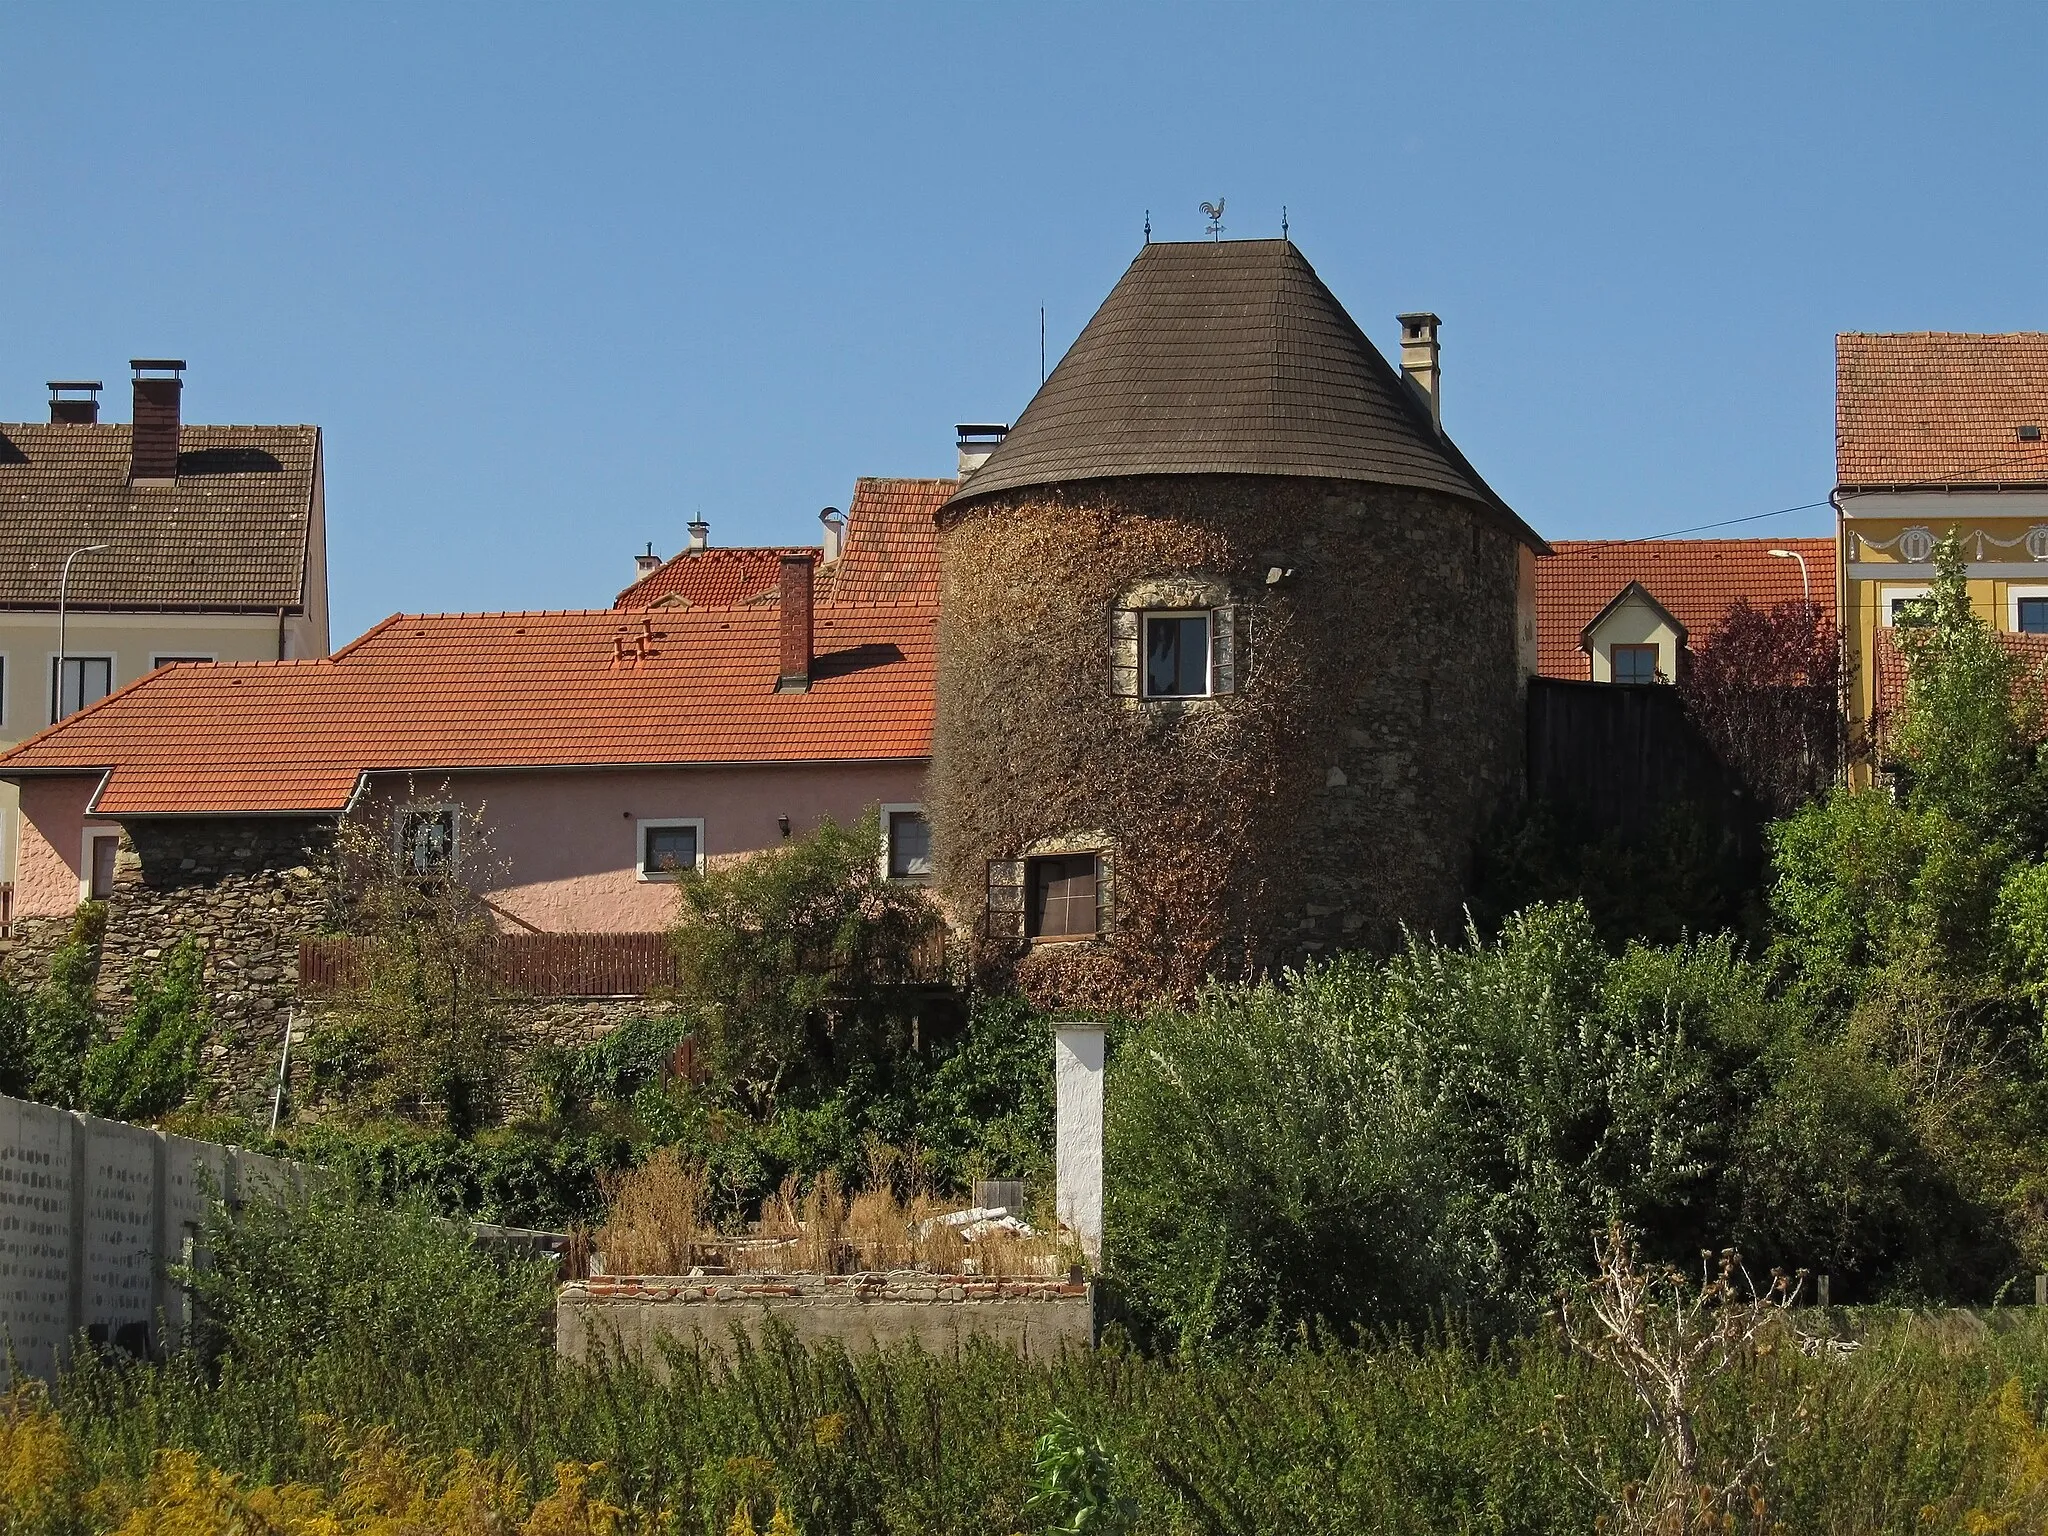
152	1066
796	960
61	1014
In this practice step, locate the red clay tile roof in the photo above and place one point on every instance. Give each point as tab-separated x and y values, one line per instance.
892	542
891	556
1696	580
465	691
228	533
1940	408
711	578
1890	690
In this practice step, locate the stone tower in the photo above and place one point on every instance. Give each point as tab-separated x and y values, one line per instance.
1233	644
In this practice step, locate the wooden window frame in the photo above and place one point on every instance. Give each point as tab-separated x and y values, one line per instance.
1146	618
1034	867
88	862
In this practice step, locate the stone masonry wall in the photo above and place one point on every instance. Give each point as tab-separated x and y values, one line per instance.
1375	730
248	890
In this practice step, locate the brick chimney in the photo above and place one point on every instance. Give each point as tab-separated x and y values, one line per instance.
700	535
795	599
647	564
1419	361
74	412
157	411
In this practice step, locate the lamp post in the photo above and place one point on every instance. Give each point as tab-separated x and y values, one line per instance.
63	594
1805	585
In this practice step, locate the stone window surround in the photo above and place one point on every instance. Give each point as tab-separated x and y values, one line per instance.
164	658
648	824
1890	593
900	808
1095	842
1184	595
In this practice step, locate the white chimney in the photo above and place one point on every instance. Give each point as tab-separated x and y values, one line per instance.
647	564
1419	361
977	441
834	522
700	535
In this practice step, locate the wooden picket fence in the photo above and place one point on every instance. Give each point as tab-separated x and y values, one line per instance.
527	964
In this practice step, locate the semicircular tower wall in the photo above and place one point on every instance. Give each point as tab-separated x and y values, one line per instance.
1373	729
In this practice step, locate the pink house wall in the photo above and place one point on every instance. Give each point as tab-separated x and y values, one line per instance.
47	864
568	840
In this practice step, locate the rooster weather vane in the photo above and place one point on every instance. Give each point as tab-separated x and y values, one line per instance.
1214	213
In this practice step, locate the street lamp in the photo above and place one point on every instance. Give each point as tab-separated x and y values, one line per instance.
1805	585
64	592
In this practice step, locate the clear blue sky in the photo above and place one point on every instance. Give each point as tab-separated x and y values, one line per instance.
553	279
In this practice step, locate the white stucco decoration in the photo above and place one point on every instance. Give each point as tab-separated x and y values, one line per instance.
1077	1161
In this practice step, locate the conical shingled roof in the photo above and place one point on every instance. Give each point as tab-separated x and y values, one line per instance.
1227	357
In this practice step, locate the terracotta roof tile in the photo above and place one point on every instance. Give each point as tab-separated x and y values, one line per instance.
456	691
1940	408
891	555
229	532
1696	580
1890	690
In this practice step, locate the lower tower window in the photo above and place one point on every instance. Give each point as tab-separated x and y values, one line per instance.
1062	897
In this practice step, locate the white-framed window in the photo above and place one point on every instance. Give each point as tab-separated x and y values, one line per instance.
669	847
906	843
1633	664
1902	605
426	837
84	679
1175	659
166	658
2026	610
101	846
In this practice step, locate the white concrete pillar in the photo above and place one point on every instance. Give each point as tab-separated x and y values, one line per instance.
1077	1164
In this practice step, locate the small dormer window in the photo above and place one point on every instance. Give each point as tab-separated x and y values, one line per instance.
1634	663
1177	655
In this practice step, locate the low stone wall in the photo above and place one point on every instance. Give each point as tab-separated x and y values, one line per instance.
248	890
632	1314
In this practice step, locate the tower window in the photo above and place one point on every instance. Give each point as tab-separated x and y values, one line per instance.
906	843
1063	897
1633	663
1176	655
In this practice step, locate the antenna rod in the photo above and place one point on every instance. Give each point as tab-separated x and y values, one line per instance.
1041	343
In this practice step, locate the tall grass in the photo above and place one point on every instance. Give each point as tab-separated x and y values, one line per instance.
1909	1433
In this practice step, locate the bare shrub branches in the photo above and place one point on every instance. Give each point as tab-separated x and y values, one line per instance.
1668	1338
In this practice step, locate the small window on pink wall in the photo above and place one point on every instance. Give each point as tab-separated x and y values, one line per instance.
104	850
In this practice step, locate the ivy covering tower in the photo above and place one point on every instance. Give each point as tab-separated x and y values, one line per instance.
1233	643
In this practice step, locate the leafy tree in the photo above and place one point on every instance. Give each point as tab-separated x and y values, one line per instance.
61	1012
800	954
152	1066
417	1028
1766	691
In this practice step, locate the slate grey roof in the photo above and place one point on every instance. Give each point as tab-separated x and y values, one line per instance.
228	533
1227	357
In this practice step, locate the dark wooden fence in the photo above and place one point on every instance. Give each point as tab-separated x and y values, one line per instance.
529	964
1614	757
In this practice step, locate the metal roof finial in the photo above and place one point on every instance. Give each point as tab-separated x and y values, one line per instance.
1148	226
1283	221
1214	212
